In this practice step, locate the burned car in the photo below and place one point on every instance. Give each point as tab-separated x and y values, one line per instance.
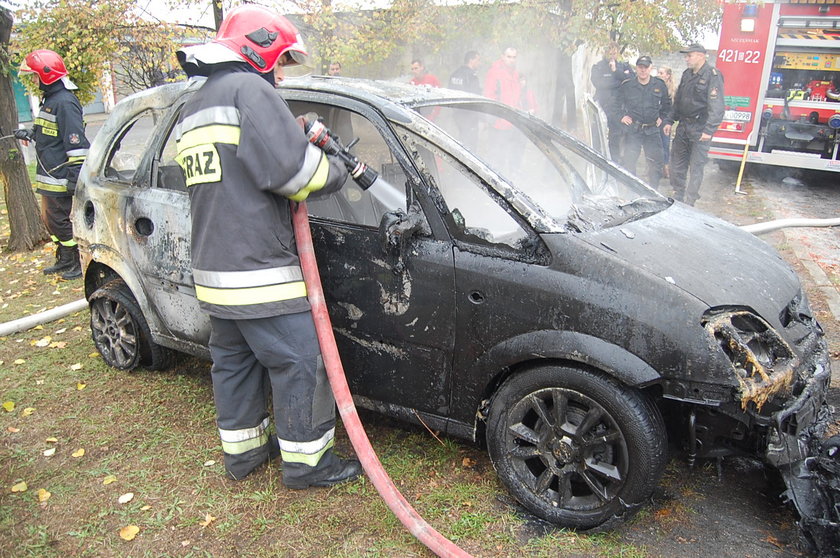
516	289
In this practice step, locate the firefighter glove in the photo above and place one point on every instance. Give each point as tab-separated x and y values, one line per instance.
24	134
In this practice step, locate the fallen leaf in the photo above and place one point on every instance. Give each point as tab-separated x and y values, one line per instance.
77	328
39	382
185	543
9	406
20	487
109	479
145	508
12	429
80	386
208	519
39	326
19	361
51	440
129	532
78	453
58	344
27	411
43	495
49	453
209	463
60	331
126	498
76	366
44	342
467	462
93	355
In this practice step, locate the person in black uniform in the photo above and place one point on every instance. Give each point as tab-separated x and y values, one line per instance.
465	78
607	76
645	104
698	107
244	157
61	147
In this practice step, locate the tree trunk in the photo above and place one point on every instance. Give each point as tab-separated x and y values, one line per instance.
27	230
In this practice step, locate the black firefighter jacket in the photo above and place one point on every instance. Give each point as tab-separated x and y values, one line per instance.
60	141
244	157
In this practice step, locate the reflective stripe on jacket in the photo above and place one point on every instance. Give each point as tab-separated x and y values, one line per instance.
244	157
60	141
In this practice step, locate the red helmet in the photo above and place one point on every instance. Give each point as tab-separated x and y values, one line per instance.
47	64
260	37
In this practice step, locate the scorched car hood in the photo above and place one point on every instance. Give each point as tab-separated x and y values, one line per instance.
711	259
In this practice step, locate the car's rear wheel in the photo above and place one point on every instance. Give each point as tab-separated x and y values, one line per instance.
120	331
574	447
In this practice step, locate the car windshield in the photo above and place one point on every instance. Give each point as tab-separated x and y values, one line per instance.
574	188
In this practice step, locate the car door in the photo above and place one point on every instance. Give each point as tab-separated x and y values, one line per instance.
391	305
157	230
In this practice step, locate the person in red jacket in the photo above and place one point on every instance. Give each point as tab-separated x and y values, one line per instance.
421	76
502	84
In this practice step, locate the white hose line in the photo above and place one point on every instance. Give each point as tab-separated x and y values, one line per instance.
29	322
770	226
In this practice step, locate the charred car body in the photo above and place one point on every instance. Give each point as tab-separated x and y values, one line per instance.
527	294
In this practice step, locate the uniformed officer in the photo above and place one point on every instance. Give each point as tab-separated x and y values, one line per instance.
465	78
607	76
645	104
698	107
61	147
244	157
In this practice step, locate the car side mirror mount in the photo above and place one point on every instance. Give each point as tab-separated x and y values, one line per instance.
397	228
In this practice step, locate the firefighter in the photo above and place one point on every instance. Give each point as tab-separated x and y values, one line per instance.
698	107
644	105
61	148
607	75
244	158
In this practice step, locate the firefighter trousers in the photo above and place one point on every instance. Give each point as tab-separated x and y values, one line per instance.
55	213
277	356
688	159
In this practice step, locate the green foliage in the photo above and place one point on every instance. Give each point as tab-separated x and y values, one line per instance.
95	36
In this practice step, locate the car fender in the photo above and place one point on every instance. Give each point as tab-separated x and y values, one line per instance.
570	346
103	257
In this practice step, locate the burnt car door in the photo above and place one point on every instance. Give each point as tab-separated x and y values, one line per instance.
387	271
157	222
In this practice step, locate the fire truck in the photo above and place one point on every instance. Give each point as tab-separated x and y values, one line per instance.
781	67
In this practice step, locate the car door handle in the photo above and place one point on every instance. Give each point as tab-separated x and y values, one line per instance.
144	226
476	297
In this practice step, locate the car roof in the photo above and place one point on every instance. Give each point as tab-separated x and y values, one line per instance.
379	92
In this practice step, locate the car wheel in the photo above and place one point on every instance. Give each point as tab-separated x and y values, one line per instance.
120	331
574	447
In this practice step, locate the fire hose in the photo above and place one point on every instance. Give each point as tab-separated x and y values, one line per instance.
396	502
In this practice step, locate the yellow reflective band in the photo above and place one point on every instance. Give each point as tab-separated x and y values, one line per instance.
310	459
236	448
48	132
318	181
51	187
75	160
217	133
69	243
200	164
43	123
252	295
54	238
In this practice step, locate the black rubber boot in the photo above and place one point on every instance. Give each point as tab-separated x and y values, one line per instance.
75	270
63	260
299	477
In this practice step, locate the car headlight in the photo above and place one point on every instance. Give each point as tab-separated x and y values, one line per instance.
762	362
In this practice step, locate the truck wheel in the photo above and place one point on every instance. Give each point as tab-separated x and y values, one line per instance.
574	447
120	331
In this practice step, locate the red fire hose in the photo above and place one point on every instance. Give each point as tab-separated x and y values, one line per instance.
409	517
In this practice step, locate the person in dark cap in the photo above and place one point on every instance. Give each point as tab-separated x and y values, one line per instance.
698	107
645	105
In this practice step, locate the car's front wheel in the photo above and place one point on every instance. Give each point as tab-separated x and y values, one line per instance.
575	447
120	331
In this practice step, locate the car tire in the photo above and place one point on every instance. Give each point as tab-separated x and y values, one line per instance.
120	331
573	478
